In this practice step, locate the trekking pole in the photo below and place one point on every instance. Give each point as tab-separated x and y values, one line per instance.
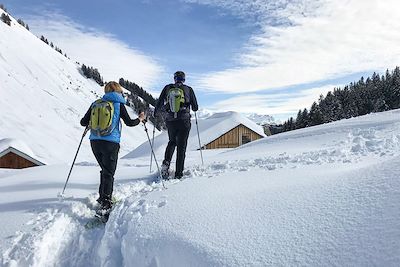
152	151
73	162
152	142
198	134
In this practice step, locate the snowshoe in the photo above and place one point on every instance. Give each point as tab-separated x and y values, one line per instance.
93	223
178	176
103	214
165	171
100	218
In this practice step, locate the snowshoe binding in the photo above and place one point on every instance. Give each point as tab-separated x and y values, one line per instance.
101	216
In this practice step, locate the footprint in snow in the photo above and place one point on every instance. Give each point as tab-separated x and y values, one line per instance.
162	203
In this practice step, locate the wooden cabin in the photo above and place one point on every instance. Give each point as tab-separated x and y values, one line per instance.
221	130
238	136
14	158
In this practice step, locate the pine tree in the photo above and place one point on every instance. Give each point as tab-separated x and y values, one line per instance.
395	85
21	22
6	19
292	125
330	107
374	94
44	39
92	73
299	120
315	115
306	121
137	90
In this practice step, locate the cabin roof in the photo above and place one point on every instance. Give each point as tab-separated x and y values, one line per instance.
19	148
221	123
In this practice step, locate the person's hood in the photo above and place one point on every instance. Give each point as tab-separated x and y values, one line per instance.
114	97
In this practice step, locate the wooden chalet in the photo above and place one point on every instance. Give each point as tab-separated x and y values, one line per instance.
14	158
228	130
237	136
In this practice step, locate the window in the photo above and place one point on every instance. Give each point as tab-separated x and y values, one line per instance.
246	139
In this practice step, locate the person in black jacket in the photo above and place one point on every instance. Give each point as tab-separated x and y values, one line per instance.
106	148
178	124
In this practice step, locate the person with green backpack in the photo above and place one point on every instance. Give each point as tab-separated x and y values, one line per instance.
103	120
176	100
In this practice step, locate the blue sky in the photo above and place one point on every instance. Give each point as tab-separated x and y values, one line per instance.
269	57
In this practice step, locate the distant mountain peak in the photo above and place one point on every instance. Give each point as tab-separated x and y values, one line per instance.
261	119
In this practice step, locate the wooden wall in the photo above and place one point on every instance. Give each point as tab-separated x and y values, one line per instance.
13	161
234	138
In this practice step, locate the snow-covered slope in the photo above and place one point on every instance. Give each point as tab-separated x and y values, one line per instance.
203	113
43	97
320	196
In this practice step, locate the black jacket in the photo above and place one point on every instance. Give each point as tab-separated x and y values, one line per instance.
190	101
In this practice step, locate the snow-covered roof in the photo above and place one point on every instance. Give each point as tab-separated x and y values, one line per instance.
18	147
210	129
221	123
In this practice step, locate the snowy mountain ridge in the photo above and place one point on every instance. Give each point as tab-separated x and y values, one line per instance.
261	119
44	97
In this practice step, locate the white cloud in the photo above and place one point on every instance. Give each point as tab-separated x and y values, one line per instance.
113	58
273	104
307	41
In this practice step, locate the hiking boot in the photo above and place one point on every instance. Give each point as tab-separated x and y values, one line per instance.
178	177
99	200
106	204
187	173
104	209
165	170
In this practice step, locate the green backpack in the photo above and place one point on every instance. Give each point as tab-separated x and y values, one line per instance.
176	99
101	117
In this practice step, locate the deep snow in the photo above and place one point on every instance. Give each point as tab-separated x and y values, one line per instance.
320	196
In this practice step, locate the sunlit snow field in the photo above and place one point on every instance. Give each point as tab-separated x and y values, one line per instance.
321	196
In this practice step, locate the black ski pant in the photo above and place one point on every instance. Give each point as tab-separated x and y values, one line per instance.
178	133
106	154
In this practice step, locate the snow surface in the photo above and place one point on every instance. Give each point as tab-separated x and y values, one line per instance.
203	113
320	196
44	96
210	129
